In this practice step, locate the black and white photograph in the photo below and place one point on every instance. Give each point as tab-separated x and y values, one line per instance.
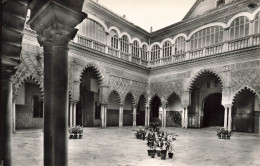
130	83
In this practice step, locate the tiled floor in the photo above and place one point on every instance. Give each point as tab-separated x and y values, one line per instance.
119	147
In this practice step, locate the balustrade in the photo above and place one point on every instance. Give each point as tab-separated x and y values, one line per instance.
167	60
99	47
238	43
124	55
113	52
206	51
179	58
136	60
215	49
196	54
256	39
144	62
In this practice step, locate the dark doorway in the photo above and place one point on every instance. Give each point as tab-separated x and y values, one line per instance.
213	111
243	112
140	112
154	112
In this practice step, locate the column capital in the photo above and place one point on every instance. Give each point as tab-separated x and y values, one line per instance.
55	20
227	105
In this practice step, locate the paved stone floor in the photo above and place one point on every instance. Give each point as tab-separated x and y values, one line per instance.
119	147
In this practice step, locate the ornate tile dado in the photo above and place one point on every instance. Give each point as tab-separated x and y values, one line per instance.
165	89
242	78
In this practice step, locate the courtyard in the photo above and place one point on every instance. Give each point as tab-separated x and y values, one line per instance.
118	147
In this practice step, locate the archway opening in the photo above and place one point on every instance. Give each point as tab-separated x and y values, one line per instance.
140	111
29	106
206	84
113	109
128	110
173	113
213	114
154	110
89	99
245	117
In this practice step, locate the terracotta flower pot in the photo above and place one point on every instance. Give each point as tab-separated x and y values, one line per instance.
163	154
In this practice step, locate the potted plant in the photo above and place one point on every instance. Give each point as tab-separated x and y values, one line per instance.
223	133
163	148
158	147
151	144
76	132
169	148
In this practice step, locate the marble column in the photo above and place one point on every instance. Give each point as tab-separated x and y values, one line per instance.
225	117
183	118
103	116
163	109
6	129
74	114
14	116
134	116
229	118
121	109
54	25
71	110
148	115
186	117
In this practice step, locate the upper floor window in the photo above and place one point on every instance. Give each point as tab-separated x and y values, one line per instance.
114	39
257	23
155	52
239	28
135	49
93	30
206	37
144	53
124	44
167	49
180	45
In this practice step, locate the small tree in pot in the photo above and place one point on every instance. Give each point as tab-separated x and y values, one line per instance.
151	144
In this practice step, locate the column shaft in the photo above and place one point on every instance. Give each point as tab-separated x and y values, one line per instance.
6	122
14	117
71	110
225	118
186	118
74	114
105	112
229	119
121	116
56	104
183	118
134	116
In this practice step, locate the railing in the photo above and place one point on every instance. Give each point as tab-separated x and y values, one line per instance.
179	57
113	52
238	43
124	55
215	49
256	39
84	41
155	62
167	60
144	62
99	47
196	54
136	60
